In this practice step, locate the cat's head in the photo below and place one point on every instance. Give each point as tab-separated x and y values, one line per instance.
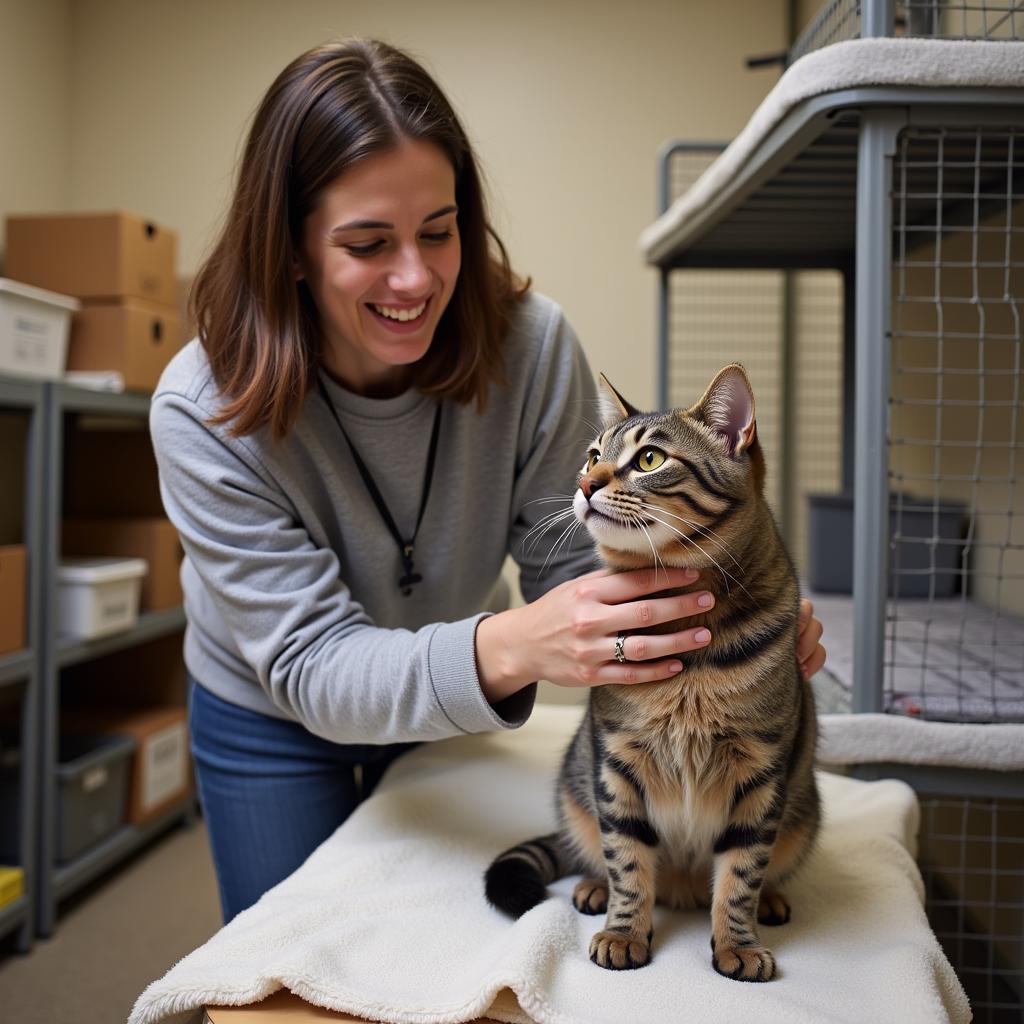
671	486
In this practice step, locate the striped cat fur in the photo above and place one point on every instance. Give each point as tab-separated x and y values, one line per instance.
697	791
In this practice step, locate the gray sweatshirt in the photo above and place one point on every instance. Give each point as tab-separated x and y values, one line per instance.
291	576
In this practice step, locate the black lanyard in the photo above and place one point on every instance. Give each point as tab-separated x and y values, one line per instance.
405	547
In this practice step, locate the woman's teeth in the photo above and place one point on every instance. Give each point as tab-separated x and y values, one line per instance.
399	314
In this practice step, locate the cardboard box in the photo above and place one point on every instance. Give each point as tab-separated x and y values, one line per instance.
13	575
135	337
161	770
153	538
34	329
94	255
111	473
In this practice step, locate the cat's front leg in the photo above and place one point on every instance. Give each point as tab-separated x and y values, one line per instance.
630	847
742	854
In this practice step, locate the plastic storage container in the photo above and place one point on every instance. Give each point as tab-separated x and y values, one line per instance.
927	551
35	325
98	596
92	790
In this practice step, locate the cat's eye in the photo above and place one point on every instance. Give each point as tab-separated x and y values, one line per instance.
649	459
592	459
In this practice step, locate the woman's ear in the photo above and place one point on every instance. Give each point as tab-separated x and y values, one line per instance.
297	271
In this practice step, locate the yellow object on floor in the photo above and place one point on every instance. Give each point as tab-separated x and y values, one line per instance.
12	884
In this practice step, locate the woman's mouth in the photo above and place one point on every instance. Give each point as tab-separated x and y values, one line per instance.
400	318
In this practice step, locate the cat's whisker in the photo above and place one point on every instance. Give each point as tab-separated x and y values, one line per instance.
635	518
544	525
704	531
556	497
565	535
689	540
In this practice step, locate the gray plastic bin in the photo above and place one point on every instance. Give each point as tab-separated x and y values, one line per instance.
92	790
929	545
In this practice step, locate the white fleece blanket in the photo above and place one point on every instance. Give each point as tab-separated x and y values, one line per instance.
387	919
928	63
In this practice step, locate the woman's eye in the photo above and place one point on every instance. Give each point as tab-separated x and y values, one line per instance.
365	249
650	459
438	236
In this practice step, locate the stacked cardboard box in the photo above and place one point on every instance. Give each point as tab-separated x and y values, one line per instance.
12	597
122	268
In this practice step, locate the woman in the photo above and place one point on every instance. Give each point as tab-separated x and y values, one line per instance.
373	415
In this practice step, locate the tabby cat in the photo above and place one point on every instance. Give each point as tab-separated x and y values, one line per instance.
699	790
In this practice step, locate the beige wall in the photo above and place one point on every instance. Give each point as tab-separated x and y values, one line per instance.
568	103
35	115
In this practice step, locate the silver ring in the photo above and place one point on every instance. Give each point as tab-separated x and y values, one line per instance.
620	655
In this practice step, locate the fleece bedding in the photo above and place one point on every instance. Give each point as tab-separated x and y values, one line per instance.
387	918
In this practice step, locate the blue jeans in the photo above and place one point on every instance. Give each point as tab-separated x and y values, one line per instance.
271	792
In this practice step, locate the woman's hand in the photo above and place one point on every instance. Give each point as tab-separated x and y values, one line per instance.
568	635
809	651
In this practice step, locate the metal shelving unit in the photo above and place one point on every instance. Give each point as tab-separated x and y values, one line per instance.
20	669
57	881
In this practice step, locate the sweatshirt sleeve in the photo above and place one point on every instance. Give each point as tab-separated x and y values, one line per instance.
312	646
546	541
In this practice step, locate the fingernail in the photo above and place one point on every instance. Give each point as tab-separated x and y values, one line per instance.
692	574
705	600
675	666
702	636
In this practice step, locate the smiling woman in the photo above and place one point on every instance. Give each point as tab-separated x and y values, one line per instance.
376	412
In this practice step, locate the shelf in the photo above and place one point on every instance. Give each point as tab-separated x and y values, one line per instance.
67	878
791	202
108	403
13	916
20	392
151	626
15	668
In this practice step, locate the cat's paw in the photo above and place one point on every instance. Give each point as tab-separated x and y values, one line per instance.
617	952
743	963
773	908
590	897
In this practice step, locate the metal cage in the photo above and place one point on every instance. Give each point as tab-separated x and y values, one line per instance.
915	349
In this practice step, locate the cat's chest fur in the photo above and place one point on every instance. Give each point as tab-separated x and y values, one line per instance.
687	749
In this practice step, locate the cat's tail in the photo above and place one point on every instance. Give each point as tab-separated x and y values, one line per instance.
518	878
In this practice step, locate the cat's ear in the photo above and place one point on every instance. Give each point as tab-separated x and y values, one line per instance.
728	408
614	408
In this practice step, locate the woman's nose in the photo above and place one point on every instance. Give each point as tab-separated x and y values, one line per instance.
409	273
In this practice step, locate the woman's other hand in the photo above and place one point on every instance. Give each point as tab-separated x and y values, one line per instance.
809	651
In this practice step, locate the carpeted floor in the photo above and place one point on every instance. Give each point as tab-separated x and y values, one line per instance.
116	937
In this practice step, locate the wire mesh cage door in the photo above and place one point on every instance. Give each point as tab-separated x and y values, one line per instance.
955	622
954	631
786	329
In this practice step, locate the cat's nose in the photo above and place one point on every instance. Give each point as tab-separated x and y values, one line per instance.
589	484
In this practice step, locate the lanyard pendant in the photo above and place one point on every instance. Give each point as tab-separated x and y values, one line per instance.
405	584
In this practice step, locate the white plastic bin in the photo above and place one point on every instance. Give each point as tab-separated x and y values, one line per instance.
34	328
98	596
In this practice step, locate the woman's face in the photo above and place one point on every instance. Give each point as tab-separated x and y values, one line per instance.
380	255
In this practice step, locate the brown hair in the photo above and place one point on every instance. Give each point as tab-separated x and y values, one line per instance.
329	108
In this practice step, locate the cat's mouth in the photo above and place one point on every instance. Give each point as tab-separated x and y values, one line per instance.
589	512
